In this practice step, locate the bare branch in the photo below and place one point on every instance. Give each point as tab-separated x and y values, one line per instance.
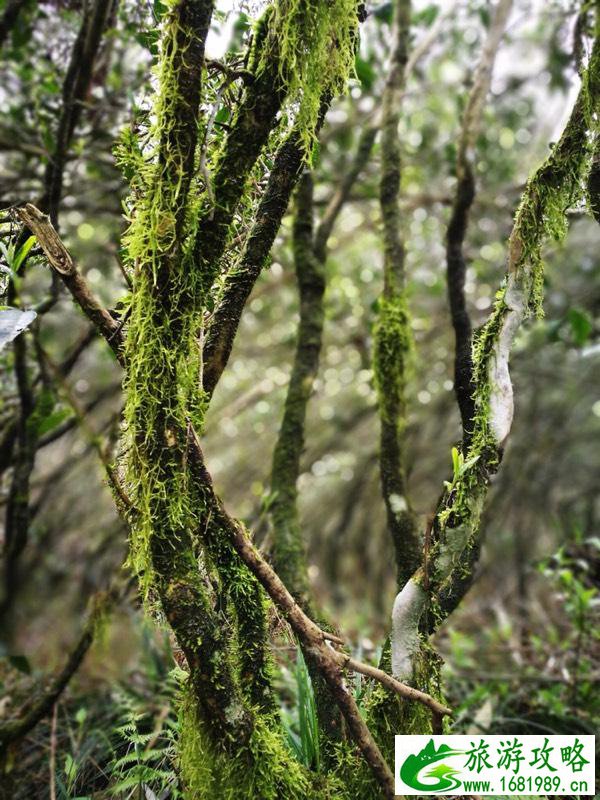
75	89
60	260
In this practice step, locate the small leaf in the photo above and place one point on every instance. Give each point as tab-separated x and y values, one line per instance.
468	464
53	420
384	12
455	461
581	325
364	72
22	252
160	9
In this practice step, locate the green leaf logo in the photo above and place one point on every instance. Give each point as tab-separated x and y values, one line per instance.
440	777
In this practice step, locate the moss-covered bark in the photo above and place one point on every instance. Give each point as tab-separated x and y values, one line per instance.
456	264
392	336
288	547
289	558
240	280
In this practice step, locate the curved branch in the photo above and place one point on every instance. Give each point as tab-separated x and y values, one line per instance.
75	90
391	336
240	280
252	126
288	550
328	661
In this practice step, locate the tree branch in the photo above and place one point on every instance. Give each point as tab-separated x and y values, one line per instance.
552	188
75	90
391	336
464	387
288	551
328	661
17	508
9	18
253	123
60	260
14	729
240	280
286	169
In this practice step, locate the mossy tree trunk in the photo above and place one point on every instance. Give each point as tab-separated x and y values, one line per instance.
392	333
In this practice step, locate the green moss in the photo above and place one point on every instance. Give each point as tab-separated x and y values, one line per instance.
250	607
386	715
391	348
164	359
554	187
313	42
264	769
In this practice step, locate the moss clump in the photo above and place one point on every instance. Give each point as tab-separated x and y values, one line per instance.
392	344
386	715
249	605
265	768
556	186
313	42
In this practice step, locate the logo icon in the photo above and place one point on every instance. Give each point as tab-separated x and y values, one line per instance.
425	766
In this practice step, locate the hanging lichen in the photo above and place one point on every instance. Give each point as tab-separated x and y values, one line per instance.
313	42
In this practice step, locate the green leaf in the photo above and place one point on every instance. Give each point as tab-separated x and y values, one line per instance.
160	9
455	461
22	252
53	420
149	40
384	12
427	16
468	464
364	72
581	325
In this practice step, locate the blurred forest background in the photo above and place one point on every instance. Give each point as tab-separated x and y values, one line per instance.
522	651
